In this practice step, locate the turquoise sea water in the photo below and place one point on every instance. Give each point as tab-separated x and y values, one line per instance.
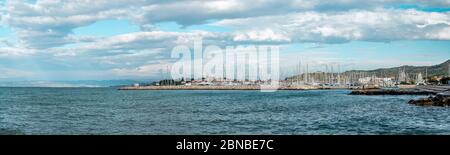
110	111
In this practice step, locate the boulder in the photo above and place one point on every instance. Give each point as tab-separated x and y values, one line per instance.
422	102
438	100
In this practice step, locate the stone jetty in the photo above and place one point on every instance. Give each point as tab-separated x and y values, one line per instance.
418	90
391	92
438	95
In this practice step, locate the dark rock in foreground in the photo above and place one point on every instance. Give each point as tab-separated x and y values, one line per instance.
441	99
391	92
422	101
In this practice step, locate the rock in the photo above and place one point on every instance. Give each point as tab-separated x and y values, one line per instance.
441	100
422	102
390	92
438	100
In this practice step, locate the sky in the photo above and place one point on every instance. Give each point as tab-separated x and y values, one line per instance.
124	39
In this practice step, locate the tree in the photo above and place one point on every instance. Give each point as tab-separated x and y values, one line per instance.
445	80
433	81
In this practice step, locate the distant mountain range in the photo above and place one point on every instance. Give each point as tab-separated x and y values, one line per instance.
436	70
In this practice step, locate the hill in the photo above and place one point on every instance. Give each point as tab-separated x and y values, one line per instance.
435	70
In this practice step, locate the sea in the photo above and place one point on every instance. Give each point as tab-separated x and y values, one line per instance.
108	111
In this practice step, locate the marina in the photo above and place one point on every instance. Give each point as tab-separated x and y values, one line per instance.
418	81
410	78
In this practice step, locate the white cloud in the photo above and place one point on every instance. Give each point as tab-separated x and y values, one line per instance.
440	34
128	52
45	29
379	25
7	73
15	51
147	70
199	11
266	35
47	23
149	40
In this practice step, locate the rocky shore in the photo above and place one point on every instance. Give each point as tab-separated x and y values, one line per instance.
417	90
438	95
441	99
391	92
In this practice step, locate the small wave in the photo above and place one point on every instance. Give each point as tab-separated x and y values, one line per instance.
10	132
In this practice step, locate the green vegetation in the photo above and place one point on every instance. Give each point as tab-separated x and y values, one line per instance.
440	70
445	80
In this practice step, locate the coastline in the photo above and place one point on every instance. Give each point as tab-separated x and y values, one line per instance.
240	87
402	90
416	90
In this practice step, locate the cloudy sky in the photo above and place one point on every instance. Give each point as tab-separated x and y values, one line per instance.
132	39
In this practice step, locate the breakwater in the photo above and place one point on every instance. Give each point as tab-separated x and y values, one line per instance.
418	90
391	92
440	99
236	87
437	95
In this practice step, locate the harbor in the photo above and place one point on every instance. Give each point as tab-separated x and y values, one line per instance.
403	80
302	77
224	87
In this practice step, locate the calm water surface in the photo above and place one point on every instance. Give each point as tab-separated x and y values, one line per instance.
109	111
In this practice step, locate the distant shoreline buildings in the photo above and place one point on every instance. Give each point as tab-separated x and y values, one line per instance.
327	78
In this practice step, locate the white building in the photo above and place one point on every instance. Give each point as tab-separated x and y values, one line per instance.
376	81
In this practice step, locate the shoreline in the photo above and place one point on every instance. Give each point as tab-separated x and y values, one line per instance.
409	90
246	87
417	90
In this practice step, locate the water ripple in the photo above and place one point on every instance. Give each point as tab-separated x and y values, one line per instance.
108	111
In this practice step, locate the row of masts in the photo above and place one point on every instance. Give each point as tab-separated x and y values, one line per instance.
332	74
